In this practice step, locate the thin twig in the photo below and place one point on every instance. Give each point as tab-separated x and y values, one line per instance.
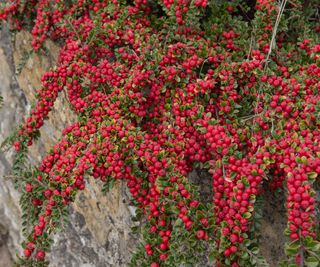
79	39
275	29
272	42
246	118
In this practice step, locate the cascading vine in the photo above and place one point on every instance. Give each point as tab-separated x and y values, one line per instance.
161	88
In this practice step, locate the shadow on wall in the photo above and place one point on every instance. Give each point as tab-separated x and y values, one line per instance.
5	257
272	223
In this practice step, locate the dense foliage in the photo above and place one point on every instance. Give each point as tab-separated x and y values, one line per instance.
161	88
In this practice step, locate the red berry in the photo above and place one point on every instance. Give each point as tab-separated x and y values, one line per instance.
27	253
200	234
40	255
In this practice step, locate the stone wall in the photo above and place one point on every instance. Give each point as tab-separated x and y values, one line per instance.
99	230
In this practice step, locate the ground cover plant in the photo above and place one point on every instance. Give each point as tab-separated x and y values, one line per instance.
161	88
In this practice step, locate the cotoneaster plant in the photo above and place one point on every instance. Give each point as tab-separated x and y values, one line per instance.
161	88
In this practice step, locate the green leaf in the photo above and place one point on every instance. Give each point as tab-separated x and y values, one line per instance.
213	256
311	244
304	160
255	250
213	122
312	262
247	215
292	249
312	175
218	164
233	175
245	256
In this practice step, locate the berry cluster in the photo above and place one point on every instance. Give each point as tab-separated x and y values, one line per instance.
157	98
